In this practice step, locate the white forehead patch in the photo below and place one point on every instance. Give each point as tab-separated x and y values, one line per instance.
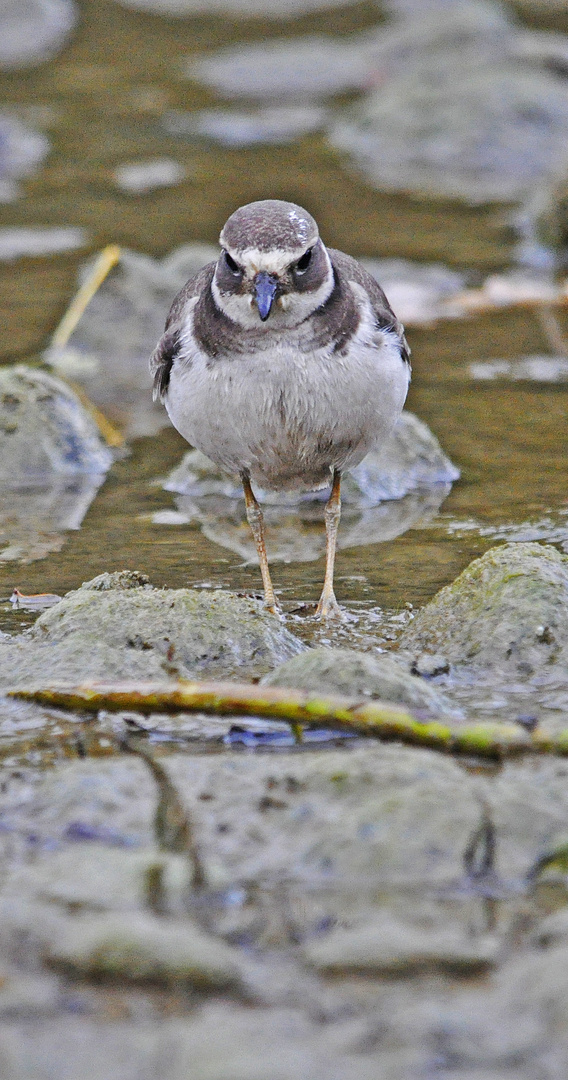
272	262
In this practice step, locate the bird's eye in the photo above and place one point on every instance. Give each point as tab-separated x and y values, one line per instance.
233	266
303	263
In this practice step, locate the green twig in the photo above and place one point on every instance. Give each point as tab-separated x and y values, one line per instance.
300	707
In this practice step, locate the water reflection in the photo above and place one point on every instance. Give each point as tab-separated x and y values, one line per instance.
297	533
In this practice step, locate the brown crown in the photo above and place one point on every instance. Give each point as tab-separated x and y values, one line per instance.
269	225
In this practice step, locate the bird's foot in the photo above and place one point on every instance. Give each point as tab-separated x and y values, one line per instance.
328	608
273	607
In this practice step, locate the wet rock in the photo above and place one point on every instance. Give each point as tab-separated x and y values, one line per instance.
410	459
14	243
53	461
83	909
505	612
144	948
136	297
273	126
281	9
552	931
22	151
296	69
276	1044
386	946
463	117
34	31
143	176
45	430
540	369
428	666
358	675
140	632
419	293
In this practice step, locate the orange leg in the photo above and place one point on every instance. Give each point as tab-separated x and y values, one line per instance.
328	606
256	522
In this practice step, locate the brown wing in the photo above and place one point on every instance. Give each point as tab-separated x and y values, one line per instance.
167	349
351	270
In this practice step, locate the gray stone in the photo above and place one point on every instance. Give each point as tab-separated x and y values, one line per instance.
359	675
386	946
16	242
53	461
22	151
272	126
33	31
143	633
140	947
464	117
45	430
136	297
507	611
278	9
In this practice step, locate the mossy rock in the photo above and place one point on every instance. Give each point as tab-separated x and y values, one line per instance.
119	627
508	610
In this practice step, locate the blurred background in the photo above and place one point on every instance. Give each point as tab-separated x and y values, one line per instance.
429	137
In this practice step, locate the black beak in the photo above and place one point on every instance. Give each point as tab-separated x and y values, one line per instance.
265	286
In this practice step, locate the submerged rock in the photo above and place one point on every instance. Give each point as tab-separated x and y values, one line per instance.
301	69
540	369
33	31
507	613
22	151
272	126
388	493
464	117
16	242
52	462
45	430
126	632
139	177
114	370
358	675
278	9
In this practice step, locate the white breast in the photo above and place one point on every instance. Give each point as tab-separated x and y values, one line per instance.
287	414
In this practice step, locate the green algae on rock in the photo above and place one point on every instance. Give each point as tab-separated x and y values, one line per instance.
118	626
506	612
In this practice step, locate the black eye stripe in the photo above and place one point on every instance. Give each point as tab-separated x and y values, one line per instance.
303	263
233	266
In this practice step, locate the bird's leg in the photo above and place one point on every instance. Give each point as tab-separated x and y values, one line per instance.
328	606
256	522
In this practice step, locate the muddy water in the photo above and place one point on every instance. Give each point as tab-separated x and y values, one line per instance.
101	102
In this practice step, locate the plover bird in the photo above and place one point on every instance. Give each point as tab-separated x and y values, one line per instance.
284	363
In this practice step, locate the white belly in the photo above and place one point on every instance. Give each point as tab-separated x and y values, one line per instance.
288	417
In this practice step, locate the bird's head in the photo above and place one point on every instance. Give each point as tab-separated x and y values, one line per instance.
274	269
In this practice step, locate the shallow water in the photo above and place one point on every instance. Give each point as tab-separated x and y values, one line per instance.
100	102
